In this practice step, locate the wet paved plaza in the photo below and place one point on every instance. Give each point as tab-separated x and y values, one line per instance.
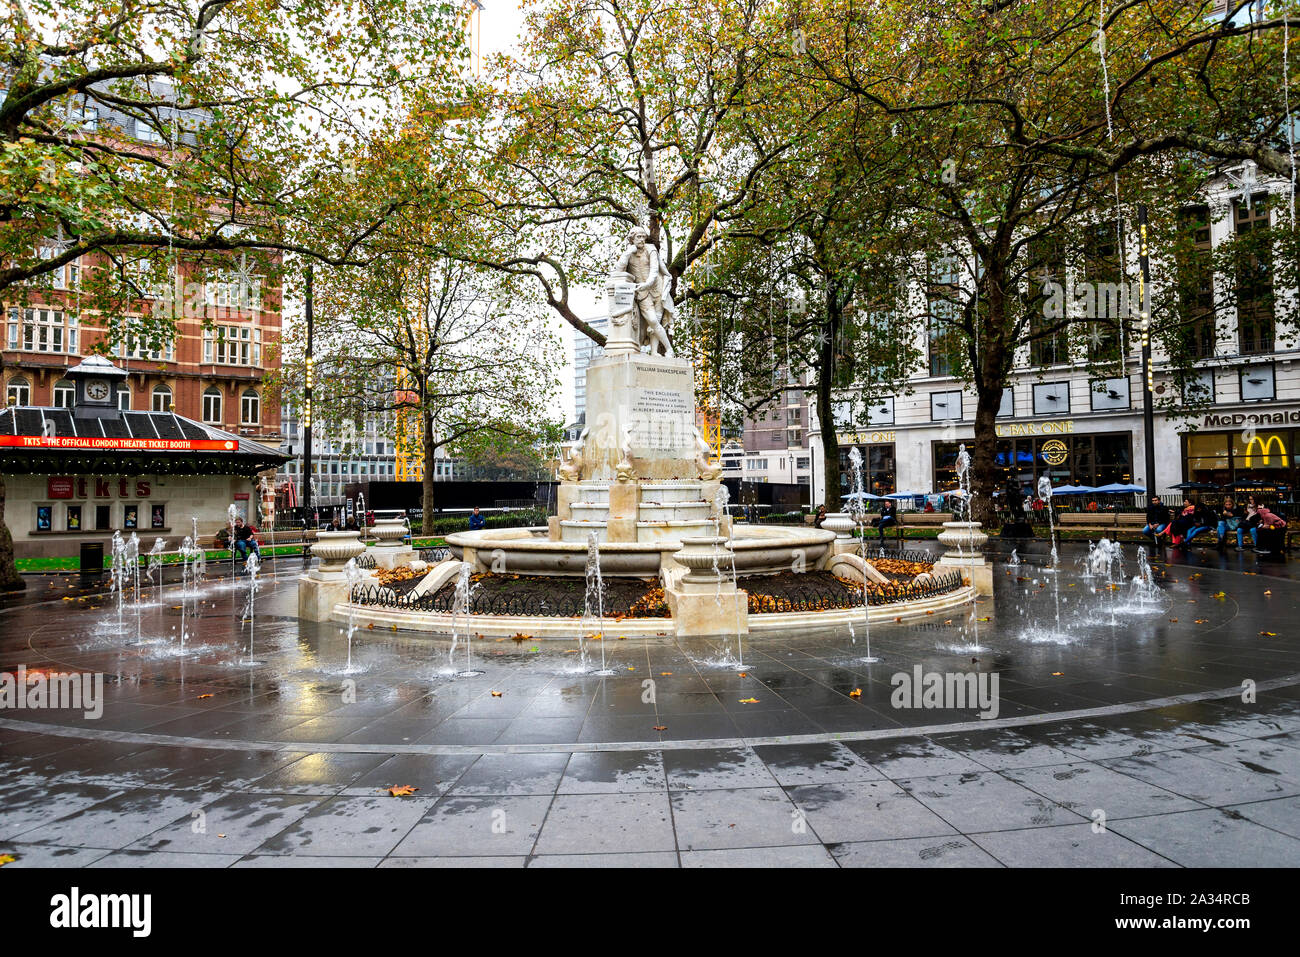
1121	738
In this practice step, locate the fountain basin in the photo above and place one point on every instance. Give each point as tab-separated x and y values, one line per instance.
528	551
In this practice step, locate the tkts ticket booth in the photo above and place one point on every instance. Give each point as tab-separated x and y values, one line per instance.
78	474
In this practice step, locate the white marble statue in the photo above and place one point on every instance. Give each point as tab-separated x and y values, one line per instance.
652	308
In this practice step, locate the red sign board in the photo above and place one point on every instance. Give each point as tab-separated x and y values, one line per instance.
241	496
123	445
58	486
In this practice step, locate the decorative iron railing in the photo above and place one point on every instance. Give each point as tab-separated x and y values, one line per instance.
444	602
434	554
365	561
815	596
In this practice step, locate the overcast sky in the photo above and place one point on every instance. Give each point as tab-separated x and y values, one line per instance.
501	22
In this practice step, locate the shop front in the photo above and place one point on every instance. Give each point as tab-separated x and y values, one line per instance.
1066	458
879	465
1245	457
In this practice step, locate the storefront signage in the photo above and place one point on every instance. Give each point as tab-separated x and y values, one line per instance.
1054	452
865	438
69	486
1262	447
58	486
1054	427
144	445
1237	419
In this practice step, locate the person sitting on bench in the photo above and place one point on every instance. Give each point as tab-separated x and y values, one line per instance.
888	517
244	542
1270	530
1158	519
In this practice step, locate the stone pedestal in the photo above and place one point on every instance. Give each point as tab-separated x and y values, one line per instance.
841	523
965	541
565	496
393	557
326	585
641	407
705	601
624	500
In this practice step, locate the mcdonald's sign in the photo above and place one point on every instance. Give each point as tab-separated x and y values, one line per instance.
1265	449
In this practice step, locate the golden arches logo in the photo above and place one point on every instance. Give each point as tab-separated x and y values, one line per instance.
1265	449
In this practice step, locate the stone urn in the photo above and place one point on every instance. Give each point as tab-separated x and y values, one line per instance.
707	558
389	531
334	549
963	539
841	523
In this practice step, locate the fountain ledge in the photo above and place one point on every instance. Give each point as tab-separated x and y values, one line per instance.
566	629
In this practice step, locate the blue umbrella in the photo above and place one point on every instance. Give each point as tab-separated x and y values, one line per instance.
866	496
903	495
1119	488
1073	490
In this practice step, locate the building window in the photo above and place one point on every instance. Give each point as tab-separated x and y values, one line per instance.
880	411
43	330
64	394
86	117
1048	342
1257	384
1051	398
145	131
232	345
1109	394
1195	272
250	408
1007	410
212	405
1254	277
942	294
945	406
1109	298
162	398
137	347
19	392
124	398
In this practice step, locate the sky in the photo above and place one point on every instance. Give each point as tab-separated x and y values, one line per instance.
500	24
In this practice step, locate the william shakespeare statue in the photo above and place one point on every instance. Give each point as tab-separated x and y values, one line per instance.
651	310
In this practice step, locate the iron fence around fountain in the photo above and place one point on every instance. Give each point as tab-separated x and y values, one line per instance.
365	561
434	554
819	597
443	602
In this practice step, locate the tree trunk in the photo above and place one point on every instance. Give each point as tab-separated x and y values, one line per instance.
825	394
830	443
984	466
10	580
428	451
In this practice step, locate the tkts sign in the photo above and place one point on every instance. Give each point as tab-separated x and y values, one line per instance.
122	445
